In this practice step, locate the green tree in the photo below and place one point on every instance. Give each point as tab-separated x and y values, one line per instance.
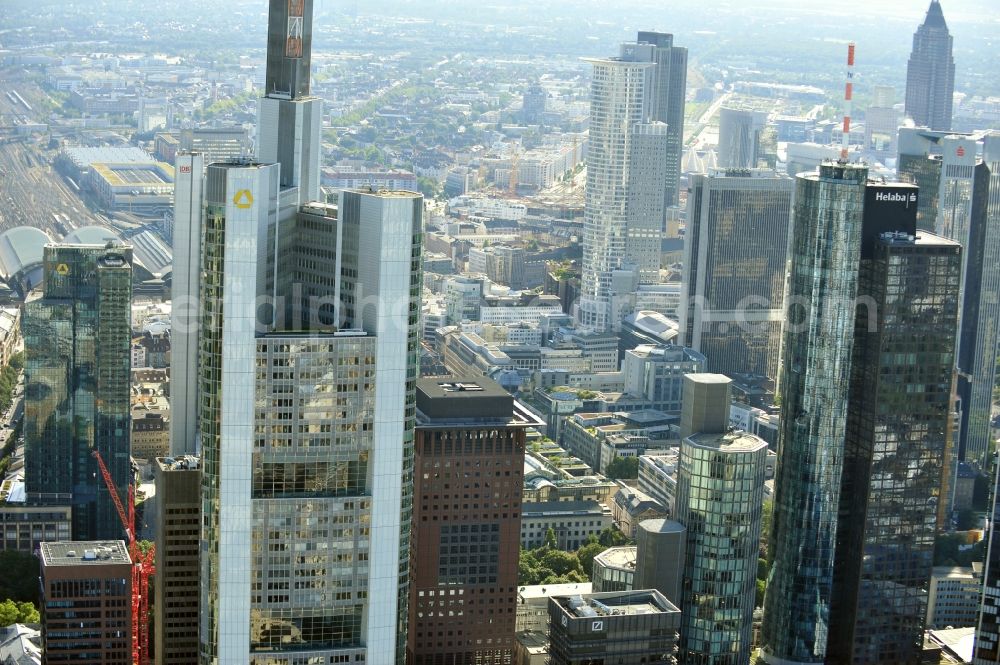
26	613
623	467
550	539
561	563
759	596
8	613
612	537
18	576
762	569
587	553
765	526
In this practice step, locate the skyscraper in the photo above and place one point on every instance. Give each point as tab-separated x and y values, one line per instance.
667	96
77	338
897	436
720	494
290	120
964	190
739	137
735	255
619	101
987	647
306	427
185	312
466	522
306	387
930	72
819	340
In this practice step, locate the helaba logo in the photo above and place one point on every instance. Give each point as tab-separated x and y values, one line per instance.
896	197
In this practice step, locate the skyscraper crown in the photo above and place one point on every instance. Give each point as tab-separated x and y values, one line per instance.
935	17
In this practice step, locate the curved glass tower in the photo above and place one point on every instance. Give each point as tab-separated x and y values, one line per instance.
815	381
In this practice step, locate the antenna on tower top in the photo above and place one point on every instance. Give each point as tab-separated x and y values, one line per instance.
848	95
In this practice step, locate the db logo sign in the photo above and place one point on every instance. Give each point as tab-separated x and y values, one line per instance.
185	169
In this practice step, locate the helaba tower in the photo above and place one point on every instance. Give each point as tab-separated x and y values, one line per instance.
304	389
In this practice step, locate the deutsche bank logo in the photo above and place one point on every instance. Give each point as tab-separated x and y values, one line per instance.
597	625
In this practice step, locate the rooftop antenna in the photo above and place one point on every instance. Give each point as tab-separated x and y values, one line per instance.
848	95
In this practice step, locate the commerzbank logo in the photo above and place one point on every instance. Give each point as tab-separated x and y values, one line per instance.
243	199
62	269
896	197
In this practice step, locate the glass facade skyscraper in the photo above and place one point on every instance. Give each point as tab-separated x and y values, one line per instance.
77	338
819	339
897	442
735	255
720	494
306	426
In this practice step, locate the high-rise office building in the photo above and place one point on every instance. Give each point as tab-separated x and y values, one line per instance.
178	541
533	104
969	213
913	165
619	102
290	119
739	137
305	391
86	602
667	95
930	72
321	460
987	641
855	509
735	253
881	120
466	534
185	312
644	208
964	190
819	339
77	338
897	435
987	647
720	497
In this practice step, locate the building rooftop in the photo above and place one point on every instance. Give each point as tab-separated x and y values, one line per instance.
89	552
661	526
183	463
615	603
563	508
547	590
622	558
735	441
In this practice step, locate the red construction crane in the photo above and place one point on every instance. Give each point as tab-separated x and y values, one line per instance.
143	567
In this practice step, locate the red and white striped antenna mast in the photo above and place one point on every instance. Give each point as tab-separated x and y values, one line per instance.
848	95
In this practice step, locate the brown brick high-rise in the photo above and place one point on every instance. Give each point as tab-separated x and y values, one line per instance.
467	485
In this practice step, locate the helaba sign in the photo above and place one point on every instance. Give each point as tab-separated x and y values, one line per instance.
896	197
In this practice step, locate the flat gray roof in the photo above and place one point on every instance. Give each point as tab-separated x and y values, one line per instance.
84	552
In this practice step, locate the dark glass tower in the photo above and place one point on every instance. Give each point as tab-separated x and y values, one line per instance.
669	87
930	72
987	648
735	255
897	433
819	338
77	338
